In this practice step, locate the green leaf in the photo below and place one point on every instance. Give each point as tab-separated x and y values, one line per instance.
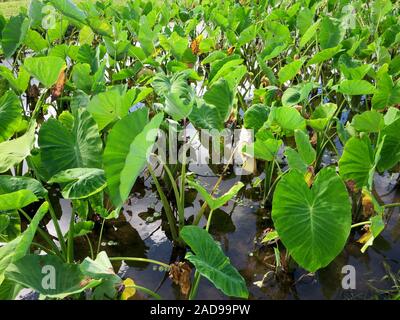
255	116
62	149
295	161
107	107
37	271
296	94
24	244
6	255
356	87
313	223
390	153
220	95
304	147
324	55
321	116
14	34
16	200
368	121
331	33
45	69
309	34
35	41
264	149
387	94
10	225
79	183
10	115
287	118
19	84
289	71
215	203
178	94
125	156
15	183
12	152
357	161
101	268
211	262
69	9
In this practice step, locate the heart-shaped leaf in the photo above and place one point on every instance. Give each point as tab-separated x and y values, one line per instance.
125	156
62	149
313	224
211	262
79	183
10	115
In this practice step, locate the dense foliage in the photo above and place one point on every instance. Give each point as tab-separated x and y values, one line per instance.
83	88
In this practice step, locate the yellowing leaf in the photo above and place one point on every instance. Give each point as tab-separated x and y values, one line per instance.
129	290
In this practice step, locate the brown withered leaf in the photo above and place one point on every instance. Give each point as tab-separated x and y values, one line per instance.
309	176
351	186
367	204
195	45
180	275
314	138
264	81
365	236
58	88
231	50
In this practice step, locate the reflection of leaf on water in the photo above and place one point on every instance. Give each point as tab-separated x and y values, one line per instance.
221	223
381	244
395	232
330	278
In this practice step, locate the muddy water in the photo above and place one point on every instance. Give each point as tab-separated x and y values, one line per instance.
238	227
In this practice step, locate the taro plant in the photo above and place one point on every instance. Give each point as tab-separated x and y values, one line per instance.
86	89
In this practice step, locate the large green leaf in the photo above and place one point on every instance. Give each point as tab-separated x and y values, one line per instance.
45	69
211	262
390	153
387	93
356	87
324	55
287	118
10	115
357	161
296	94
24	244
331	33
313	223
221	96
62	149
112	105
215	203
10	225
14	33
79	183
14	183
69	9
177	93
36	272
368	121
20	83
304	147
255	116
16	200
12	152
289	71
321	116
125	156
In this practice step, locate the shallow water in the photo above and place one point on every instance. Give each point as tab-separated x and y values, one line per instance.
239	227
